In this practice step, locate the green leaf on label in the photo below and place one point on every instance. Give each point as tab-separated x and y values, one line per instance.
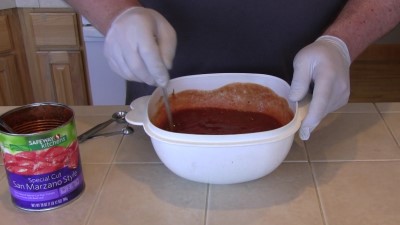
16	148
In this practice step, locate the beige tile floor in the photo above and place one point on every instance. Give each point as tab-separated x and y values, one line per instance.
348	173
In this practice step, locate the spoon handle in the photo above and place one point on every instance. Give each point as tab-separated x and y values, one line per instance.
6	127
125	131
83	137
107	134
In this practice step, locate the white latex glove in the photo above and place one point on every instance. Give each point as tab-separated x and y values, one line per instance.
326	62
140	46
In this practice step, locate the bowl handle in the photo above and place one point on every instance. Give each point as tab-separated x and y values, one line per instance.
138	115
303	107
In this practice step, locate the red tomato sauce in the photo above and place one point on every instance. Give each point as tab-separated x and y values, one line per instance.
235	108
220	121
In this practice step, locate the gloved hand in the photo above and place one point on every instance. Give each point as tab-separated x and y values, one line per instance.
140	46
326	62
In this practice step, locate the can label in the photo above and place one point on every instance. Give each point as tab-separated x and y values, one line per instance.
43	170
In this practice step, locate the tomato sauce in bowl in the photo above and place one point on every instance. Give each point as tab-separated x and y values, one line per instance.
220	121
235	108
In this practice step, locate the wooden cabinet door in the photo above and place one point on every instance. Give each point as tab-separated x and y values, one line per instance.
61	77
15	83
55	55
5	35
10	85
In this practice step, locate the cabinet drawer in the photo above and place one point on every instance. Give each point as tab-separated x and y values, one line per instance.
55	30
5	34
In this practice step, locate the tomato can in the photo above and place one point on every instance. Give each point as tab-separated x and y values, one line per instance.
41	156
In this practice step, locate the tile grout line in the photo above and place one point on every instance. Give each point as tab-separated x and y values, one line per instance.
207	204
3	176
386	125
323	215
321	209
138	163
355	161
123	163
97	199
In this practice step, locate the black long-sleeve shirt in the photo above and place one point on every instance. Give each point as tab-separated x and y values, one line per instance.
252	36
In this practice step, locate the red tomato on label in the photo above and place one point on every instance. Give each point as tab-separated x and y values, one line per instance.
8	158
19	170
46	167
20	163
43	161
73	156
25	156
56	154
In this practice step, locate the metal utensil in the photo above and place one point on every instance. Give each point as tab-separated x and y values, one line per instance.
168	108
6	127
119	117
123	131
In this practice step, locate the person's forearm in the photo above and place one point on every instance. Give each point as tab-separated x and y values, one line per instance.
101	13
362	22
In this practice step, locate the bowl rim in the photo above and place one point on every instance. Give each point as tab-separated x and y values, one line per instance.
226	139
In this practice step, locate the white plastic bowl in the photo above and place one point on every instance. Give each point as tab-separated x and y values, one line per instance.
218	159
